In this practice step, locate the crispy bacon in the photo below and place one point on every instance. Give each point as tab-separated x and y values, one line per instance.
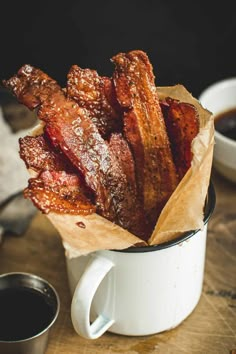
71	130
58	192
120	149
27	85
57	179
38	154
145	130
105	146
182	123
97	95
80	140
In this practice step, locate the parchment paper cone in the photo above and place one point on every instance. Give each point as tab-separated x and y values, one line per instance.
183	212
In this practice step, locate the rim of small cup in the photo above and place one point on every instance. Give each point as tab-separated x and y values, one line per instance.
56	312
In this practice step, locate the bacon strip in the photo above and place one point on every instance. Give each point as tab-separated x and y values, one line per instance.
27	85
182	123
120	149
145	130
71	130
97	95
80	140
59	192
57	187
38	154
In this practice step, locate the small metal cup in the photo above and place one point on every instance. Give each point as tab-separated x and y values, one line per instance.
36	344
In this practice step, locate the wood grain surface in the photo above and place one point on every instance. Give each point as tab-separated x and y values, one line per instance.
211	328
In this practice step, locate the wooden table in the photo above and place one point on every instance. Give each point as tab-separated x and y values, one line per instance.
211	328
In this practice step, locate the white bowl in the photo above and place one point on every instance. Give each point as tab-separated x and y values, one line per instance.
218	98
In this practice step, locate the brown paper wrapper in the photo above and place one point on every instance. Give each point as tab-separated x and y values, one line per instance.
183	212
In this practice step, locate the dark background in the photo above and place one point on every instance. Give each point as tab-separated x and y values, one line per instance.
187	43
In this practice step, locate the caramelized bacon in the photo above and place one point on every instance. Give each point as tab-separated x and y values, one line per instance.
145	130
182	124
97	95
80	140
58	192
38	154
27	86
120	149
57	179
71	130
82	155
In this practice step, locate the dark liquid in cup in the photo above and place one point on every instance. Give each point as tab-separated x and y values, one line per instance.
24	312
225	123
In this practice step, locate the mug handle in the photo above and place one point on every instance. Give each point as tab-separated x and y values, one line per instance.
84	293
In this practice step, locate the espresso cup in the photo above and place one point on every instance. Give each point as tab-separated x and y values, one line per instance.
29	306
141	290
219	98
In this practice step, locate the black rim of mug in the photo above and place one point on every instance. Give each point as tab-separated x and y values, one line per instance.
208	210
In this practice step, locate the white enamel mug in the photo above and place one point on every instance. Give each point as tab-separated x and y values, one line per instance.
138	291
